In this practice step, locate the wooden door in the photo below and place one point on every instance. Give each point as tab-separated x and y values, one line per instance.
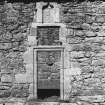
48	69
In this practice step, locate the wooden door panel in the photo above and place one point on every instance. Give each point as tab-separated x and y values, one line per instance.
48	69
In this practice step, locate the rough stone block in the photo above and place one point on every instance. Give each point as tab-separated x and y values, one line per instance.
79	33
5	94
98	62
85	63
68	104
89	19
20	93
103	47
85	76
4	46
100	19
77	55
6	78
15	44
103	80
92	80
100	34
98	69
70	31
90	34
87	69
21	78
15	103
74	40
94	39
95	27
100	54
18	36
85	26
4	87
96	98
77	47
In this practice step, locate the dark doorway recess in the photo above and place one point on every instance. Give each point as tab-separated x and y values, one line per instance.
48	93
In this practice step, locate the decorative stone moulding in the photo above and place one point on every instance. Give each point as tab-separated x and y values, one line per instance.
47	12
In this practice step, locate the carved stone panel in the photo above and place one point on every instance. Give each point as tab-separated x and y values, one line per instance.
47	14
48	66
48	35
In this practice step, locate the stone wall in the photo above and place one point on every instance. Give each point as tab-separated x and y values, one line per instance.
15	19
85	39
86	36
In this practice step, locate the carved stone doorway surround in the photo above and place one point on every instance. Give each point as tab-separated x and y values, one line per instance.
65	73
65	83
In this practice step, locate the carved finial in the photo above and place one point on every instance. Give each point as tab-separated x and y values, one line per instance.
48	6
5	1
